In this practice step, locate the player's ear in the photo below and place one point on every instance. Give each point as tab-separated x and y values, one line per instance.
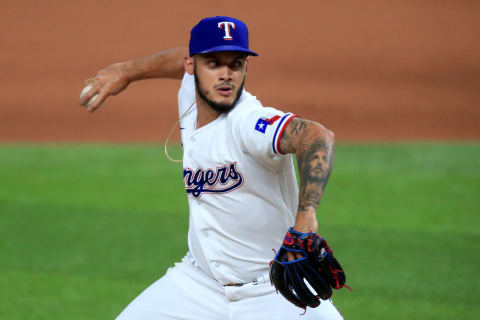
188	65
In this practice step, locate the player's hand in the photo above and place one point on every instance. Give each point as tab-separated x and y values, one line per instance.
306	222
109	81
296	255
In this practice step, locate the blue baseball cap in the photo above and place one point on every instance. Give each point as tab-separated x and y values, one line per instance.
219	34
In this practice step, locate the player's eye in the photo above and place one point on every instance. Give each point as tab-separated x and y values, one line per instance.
237	64
212	63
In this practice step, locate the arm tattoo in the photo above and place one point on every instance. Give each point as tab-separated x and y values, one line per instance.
314	166
295	128
314	152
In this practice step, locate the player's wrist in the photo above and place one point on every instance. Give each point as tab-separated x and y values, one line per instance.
306	221
131	70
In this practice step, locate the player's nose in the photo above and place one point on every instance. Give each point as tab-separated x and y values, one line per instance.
225	73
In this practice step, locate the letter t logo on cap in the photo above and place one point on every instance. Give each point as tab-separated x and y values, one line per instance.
227	25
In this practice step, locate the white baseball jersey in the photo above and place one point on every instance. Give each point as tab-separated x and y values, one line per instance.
242	191
243	197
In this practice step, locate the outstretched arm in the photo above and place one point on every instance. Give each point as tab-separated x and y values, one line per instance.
114	78
313	145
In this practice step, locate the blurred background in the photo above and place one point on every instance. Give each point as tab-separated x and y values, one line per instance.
87	200
376	70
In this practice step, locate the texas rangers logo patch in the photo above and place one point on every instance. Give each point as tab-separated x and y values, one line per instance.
221	180
263	122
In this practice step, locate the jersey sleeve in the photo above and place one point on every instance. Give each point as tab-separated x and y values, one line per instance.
259	132
186	94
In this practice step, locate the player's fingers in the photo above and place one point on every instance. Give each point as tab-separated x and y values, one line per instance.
97	101
290	256
294	255
91	81
86	96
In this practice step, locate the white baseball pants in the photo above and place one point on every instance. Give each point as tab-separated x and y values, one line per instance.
186	292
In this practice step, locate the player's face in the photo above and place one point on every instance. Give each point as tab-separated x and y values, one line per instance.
219	78
319	164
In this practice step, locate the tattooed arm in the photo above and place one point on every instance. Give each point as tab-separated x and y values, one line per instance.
313	145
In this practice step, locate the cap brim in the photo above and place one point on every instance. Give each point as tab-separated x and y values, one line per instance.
226	48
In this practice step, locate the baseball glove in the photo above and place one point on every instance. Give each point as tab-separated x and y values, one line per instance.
318	267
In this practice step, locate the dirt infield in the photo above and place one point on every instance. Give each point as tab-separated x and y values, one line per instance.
369	70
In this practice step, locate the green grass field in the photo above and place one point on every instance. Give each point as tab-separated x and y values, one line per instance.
85	228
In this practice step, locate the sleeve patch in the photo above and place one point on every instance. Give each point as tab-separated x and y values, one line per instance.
263	123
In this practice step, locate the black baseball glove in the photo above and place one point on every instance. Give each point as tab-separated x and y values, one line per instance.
318	267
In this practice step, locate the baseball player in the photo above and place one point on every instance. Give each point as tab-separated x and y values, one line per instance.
240	182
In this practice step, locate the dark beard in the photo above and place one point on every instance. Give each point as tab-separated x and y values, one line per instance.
217	106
